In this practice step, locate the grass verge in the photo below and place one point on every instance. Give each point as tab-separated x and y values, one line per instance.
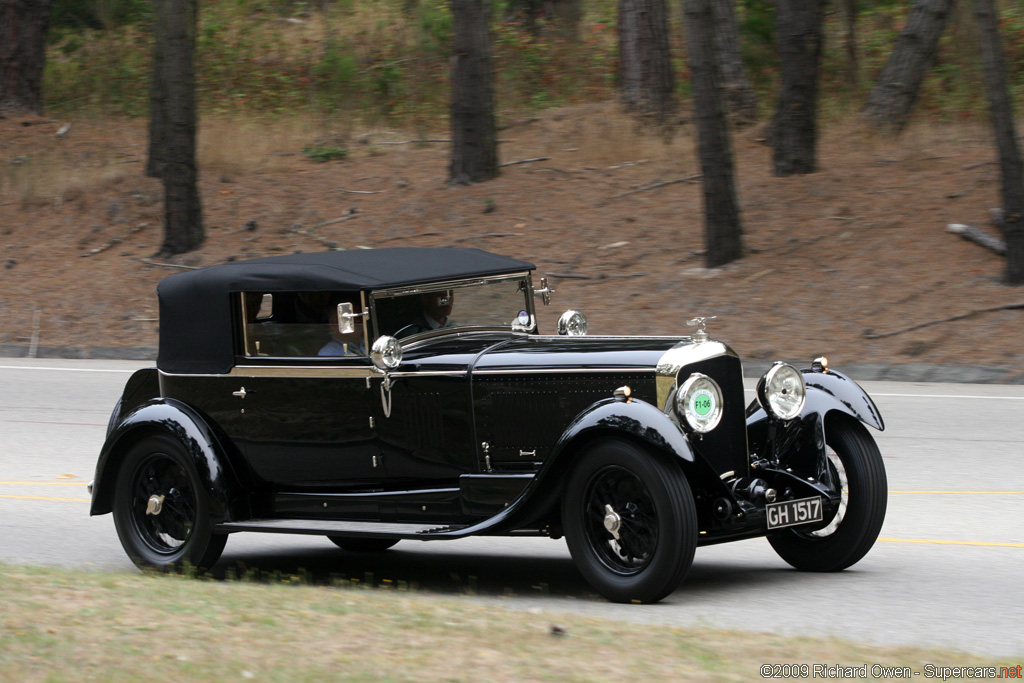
59	625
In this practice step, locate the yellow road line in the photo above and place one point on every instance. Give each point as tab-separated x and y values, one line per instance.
75	500
941	542
42	483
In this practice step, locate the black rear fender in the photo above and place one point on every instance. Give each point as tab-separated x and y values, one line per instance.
178	420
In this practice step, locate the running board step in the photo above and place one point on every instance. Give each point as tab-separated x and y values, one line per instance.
330	527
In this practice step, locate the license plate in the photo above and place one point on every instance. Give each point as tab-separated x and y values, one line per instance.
793	512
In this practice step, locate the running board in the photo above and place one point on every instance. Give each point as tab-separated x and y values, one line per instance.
330	527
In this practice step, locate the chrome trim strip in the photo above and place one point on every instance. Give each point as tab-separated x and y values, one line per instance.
428	373
559	371
299	371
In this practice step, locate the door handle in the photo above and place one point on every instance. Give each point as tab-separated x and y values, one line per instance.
240	393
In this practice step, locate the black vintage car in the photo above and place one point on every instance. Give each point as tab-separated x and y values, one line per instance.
372	396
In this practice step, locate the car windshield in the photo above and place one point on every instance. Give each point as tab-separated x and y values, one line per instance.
492	303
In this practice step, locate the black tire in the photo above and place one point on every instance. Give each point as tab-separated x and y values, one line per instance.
657	522
363	545
853	456
180	531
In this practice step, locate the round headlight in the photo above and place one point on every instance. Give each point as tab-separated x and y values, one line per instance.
572	323
386	352
782	391
699	400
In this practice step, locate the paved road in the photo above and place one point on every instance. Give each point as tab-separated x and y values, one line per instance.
948	571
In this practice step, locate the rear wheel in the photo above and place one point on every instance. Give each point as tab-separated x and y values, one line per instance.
363	545
856	467
630	522
161	517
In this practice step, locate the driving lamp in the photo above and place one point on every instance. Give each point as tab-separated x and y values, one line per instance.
572	323
782	391
386	353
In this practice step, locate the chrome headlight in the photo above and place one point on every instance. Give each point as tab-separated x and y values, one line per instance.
572	323
386	352
699	400
782	391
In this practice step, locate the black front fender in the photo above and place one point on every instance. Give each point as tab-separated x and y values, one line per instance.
827	392
178	420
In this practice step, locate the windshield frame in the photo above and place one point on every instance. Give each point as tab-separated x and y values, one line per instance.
391	293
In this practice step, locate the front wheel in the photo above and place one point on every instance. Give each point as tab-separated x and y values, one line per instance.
630	522
160	515
855	464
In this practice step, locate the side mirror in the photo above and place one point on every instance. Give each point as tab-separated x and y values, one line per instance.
386	353
544	292
345	318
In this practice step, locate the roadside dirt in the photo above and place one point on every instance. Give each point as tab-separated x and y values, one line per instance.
858	247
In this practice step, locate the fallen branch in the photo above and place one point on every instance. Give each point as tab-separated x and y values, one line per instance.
100	250
409	142
168	265
654	186
524	161
363	191
960	316
600	276
968	167
330	222
978	236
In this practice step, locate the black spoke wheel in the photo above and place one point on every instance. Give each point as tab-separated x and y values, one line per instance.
630	522
855	466
160	514
363	545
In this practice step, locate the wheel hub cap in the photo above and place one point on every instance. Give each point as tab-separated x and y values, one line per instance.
155	505
612	521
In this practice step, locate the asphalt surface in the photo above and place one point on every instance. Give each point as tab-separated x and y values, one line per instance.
947	571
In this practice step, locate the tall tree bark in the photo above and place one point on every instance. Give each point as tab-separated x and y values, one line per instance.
740	98
172	141
892	99
852	62
800	34
474	134
1006	139
645	61
722	227
23	27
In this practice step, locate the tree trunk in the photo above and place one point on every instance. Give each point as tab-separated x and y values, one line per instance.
889	105
23	27
645	61
172	142
794	129
474	135
721	213
852	63
740	98
1006	139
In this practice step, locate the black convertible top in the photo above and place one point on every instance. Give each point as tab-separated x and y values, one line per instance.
195	307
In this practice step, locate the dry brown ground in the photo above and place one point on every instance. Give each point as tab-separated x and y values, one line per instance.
858	246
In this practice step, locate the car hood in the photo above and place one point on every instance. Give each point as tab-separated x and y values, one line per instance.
585	353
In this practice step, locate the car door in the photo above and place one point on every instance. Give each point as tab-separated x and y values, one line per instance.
307	419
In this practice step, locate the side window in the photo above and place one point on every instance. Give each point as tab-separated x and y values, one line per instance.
300	325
